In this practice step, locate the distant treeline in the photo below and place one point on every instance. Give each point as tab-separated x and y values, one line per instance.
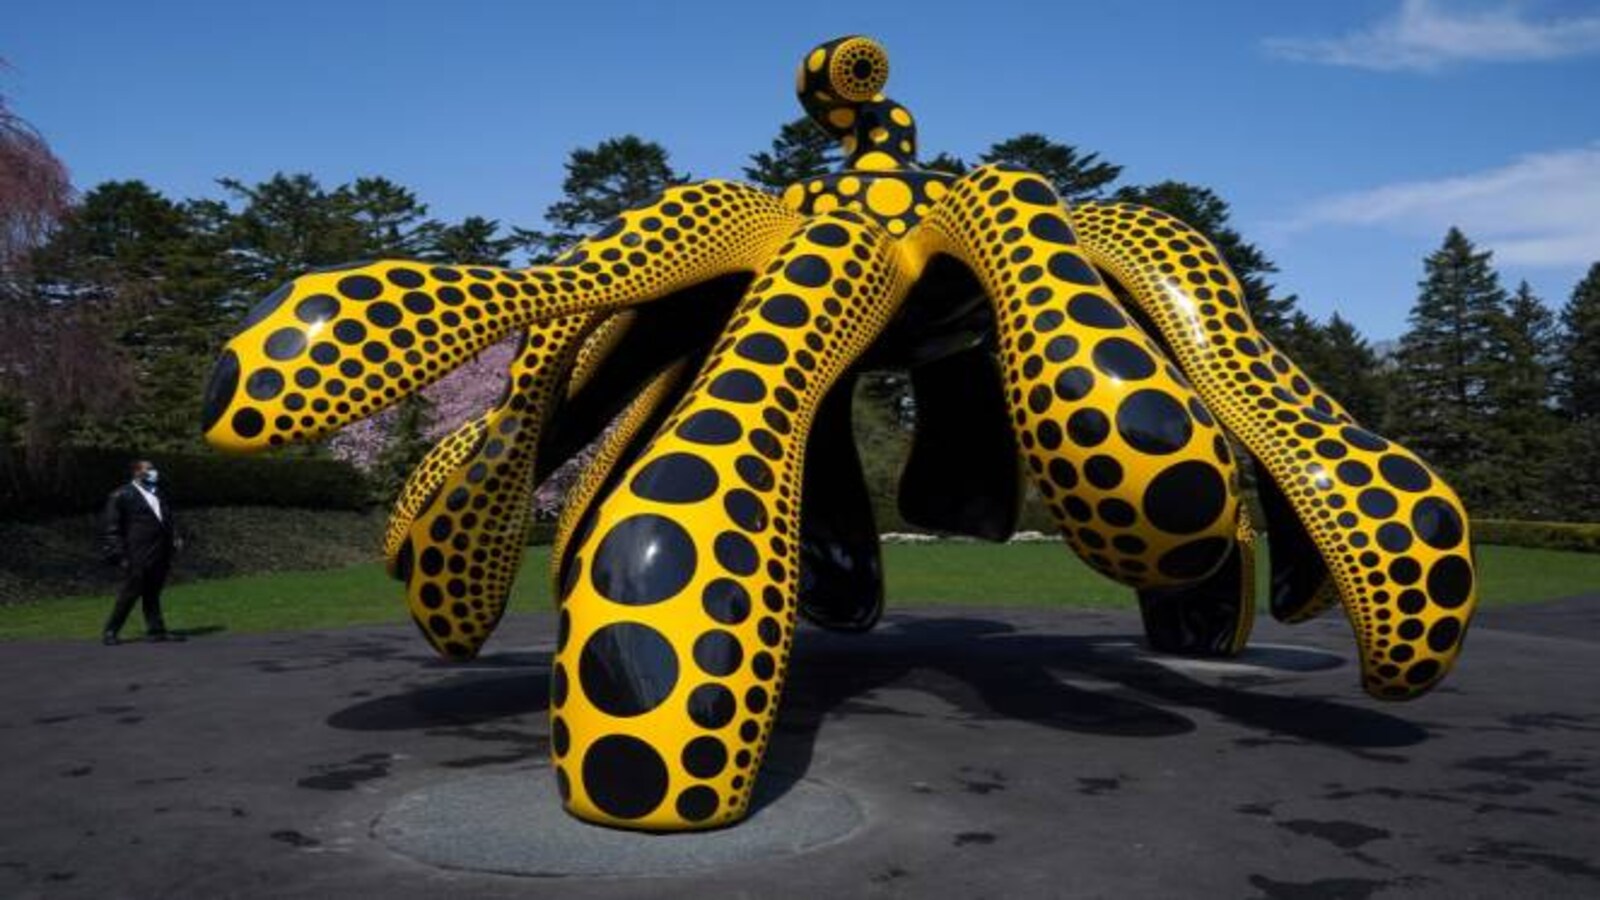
116	302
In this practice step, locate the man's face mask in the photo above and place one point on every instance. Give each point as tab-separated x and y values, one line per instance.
149	476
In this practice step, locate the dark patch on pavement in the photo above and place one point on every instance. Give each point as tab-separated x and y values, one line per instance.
966	838
294	838
345	776
1341	834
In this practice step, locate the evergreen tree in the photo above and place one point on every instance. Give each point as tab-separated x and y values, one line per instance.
801	150
1523	431
1576	476
948	163
1578	365
1447	358
1207	212
602	182
475	240
1075	176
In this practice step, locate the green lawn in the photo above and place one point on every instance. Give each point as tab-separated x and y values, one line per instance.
957	573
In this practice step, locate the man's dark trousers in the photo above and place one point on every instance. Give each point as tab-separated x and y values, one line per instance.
142	543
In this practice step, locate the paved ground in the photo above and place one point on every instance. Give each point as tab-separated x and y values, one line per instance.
999	754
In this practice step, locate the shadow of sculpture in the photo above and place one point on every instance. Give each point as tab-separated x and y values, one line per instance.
983	669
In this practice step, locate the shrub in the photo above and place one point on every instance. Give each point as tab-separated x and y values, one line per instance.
81	478
1583	537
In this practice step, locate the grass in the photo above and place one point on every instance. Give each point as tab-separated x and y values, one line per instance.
949	573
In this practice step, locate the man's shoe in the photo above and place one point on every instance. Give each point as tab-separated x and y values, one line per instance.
109	639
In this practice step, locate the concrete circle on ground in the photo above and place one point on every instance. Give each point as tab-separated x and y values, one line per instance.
513	823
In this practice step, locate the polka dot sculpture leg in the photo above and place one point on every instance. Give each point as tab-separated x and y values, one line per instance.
1132	465
676	627
461	553
1392	533
628	428
333	347
456	447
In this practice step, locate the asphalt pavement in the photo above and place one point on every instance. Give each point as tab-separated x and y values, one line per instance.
966	753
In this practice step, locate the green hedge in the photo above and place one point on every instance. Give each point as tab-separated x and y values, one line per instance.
1583	537
80	479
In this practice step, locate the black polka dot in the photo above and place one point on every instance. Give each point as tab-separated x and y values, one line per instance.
1152	421
698	803
711	706
755	472
627	669
735	553
1436	523
383	314
1088	427
1095	311
360	287
406	278
1363	439
263	384
726	601
786	310
809	270
1032	190
1072	267
710	426
762	348
316	309
738	386
745	509
1072	384
1394	537
1450	582
624	776
1377	502
1404	473
1405	570
705	757
829	235
1353	473
248	423
349	331
718	653
1104	472
1185	497
1051	227
1423	672
1444	634
675	478
643	559
285	344
1060	349
1122	358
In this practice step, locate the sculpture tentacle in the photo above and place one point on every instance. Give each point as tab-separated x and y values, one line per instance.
679	615
628	427
460	554
454	450
1392	533
1135	470
332	347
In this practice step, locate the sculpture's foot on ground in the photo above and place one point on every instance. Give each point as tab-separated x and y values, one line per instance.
513	824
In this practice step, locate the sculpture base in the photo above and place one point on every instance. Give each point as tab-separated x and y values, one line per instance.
513	824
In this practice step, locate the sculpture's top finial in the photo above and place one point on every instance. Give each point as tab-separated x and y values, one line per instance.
840	85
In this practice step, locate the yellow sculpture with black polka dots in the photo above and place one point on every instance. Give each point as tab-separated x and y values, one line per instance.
1100	353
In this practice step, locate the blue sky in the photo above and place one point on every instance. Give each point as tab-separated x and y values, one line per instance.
1347	135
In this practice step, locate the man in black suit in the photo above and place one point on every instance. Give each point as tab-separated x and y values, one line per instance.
139	534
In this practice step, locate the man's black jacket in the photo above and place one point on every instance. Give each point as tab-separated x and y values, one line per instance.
131	531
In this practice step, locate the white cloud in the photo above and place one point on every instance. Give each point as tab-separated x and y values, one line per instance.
1422	36
1543	209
